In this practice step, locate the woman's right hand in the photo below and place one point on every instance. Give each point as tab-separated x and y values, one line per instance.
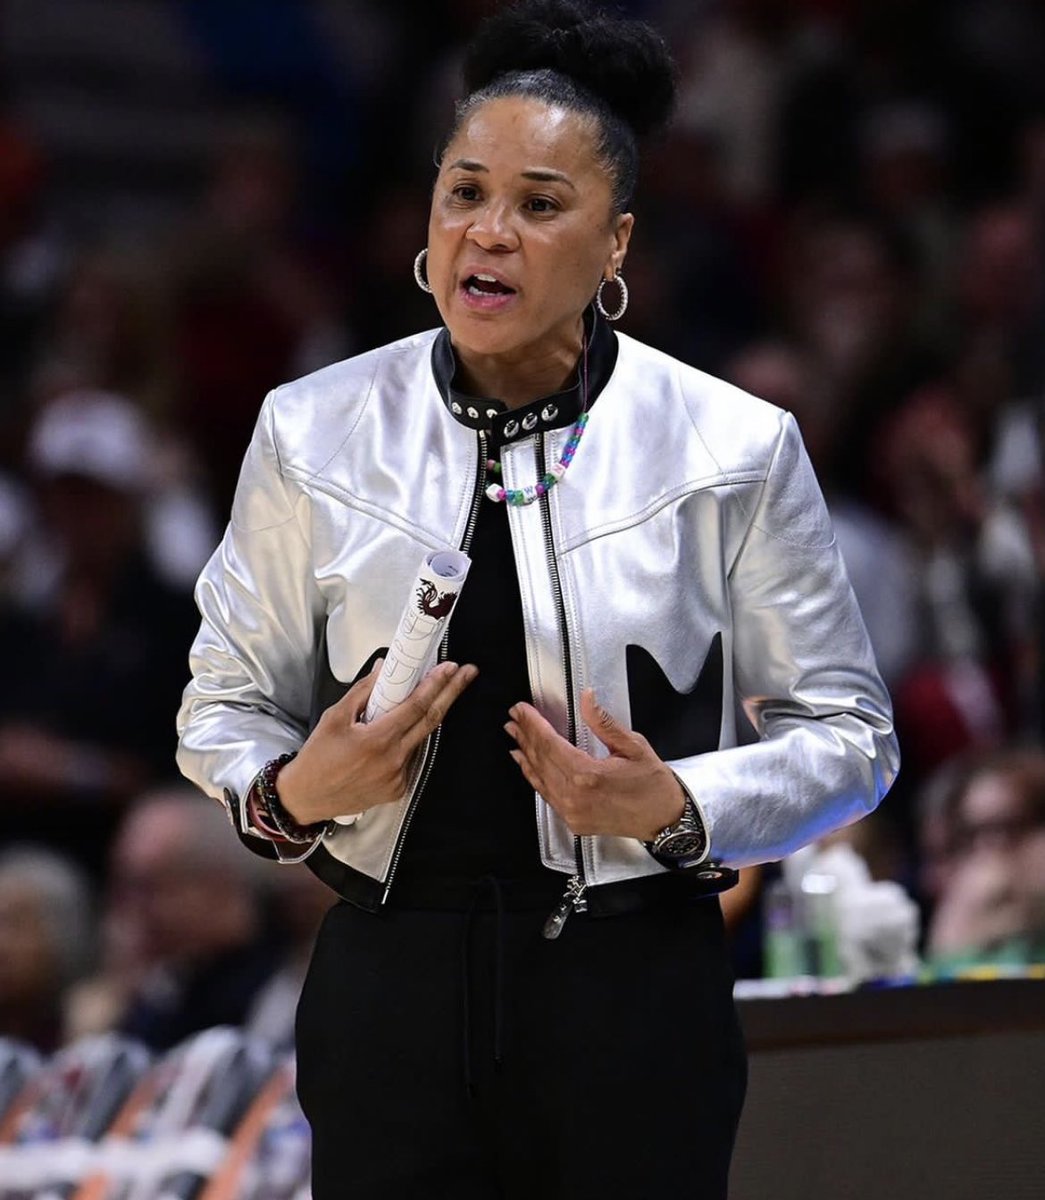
346	766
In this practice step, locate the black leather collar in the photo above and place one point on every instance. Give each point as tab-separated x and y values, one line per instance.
504	424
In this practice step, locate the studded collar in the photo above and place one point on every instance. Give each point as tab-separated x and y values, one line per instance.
557	411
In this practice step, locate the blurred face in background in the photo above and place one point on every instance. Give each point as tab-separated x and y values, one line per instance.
174	904
927	464
28	963
95	524
998	816
846	298
1000	278
521	229
1000	827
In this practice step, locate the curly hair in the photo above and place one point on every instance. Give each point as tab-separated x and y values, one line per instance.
616	71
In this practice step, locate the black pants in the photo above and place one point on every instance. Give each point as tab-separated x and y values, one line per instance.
460	1054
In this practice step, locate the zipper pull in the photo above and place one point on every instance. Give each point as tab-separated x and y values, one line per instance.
572	901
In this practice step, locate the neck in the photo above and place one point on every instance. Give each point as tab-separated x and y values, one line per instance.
521	375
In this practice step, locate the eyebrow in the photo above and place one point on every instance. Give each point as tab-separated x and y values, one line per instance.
469	164
549	177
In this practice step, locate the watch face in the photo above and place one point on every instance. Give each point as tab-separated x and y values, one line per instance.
684	844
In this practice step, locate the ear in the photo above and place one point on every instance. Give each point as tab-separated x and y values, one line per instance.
623	225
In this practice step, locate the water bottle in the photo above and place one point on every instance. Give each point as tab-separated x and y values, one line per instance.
783	939
820	919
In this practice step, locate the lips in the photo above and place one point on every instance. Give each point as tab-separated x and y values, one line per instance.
486	291
485	284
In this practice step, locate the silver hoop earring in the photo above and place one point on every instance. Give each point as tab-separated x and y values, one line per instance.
618	279
422	283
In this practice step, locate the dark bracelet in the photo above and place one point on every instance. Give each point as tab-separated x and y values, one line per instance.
264	786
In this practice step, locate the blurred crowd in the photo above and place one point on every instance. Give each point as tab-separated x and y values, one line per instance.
847	218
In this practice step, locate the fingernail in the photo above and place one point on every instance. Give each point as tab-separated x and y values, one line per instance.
449	666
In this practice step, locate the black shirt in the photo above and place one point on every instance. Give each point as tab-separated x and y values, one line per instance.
477	815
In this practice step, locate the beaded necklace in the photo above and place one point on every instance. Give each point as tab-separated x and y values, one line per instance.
551	477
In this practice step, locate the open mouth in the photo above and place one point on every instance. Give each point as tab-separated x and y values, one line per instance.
486	285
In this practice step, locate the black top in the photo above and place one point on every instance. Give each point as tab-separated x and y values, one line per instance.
476	816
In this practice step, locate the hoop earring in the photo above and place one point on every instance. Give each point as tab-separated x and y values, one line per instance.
422	283
618	279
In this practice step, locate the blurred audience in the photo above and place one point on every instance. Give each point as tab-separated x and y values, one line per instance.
108	329
185	943
32	257
47	941
298	902
253	306
975	582
984	832
94	644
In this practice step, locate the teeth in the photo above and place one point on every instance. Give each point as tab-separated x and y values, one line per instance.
486	278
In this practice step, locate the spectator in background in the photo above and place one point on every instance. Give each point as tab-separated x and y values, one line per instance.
698	278
874	550
46	941
1001	289
299	902
186	943
31	258
989	863
975	582
251	307
94	654
108	329
904	164
14	526
847	292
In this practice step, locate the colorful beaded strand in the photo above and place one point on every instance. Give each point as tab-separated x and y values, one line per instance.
551	477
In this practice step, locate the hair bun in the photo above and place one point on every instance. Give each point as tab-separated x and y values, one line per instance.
624	63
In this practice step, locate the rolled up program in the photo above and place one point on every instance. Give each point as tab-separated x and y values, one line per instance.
422	624
415	644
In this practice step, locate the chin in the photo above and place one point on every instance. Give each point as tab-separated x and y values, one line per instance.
487	335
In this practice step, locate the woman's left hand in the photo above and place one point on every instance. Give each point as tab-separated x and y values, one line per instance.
632	793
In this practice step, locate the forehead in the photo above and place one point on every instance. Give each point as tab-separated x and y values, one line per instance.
519	133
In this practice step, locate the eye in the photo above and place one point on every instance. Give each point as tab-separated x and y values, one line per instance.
467	193
542	204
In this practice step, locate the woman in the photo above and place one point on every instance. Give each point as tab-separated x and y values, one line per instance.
647	544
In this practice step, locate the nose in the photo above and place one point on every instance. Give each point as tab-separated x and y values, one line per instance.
492	227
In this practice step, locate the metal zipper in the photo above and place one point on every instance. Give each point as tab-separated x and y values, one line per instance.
573	899
433	743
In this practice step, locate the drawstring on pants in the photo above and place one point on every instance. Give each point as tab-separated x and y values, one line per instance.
491	883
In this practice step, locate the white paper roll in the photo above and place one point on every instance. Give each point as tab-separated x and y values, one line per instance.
415	643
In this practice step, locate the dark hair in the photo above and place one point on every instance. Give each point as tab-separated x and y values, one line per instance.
615	70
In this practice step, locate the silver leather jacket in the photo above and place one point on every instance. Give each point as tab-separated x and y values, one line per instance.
690	519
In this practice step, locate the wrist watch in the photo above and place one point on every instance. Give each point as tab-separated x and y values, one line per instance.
683	843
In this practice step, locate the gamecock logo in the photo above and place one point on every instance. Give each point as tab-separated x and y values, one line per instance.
433	603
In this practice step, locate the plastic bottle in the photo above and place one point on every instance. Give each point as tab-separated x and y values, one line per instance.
820	919
783	937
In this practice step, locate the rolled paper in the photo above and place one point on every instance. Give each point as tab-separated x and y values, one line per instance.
415	644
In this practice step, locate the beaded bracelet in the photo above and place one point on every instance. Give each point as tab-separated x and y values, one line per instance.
264	787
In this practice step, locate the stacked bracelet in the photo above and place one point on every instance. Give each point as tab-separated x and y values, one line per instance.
264	787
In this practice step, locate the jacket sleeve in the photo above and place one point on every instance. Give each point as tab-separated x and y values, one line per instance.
804	669
253	660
